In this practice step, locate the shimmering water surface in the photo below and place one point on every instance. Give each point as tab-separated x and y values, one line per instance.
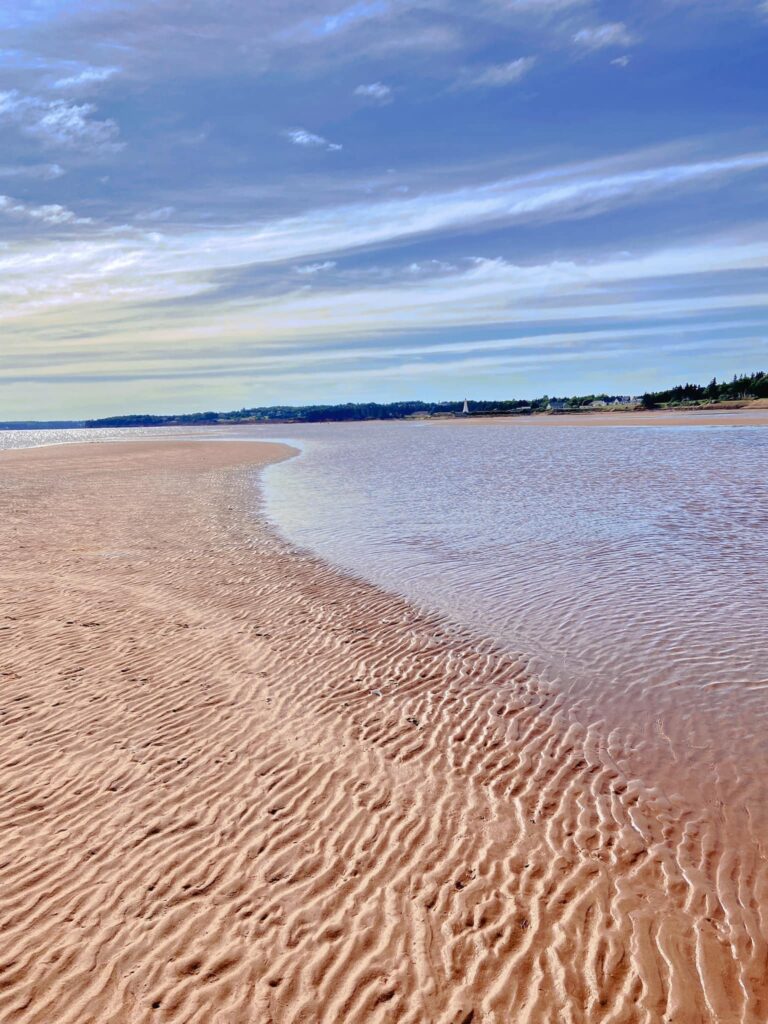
635	553
629	564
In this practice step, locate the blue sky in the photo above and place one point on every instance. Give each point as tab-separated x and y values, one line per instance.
209	204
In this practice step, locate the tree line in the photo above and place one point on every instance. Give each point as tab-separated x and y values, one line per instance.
346	412
744	386
740	387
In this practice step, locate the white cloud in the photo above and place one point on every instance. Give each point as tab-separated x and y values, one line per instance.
160	214
540	5
431	267
349	352
621	62
49	213
46	171
11	103
87	77
363	10
376	91
301	137
614	33
497	291
315	268
498	75
559	193
59	123
116	265
70	125
561	294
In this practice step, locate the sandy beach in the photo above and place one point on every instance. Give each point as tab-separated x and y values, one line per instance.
239	787
754	416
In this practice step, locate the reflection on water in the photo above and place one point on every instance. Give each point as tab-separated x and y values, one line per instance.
629	564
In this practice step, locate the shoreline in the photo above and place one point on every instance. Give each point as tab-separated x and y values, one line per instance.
242	786
752	413
724	417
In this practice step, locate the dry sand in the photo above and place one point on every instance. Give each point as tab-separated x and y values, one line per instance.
240	788
754	416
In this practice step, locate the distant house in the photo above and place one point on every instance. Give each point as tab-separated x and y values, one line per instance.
557	404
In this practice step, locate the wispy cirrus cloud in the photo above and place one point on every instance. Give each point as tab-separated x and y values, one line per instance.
160	213
377	92
388	359
346	17
488	291
44	171
497	76
120	265
310	269
564	193
85	78
309	140
597	37
295	333
541	5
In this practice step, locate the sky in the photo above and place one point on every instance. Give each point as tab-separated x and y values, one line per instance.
218	204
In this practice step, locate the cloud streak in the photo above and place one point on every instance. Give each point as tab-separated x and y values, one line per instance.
309	140
131	264
46	172
310	269
345	18
377	92
499	75
85	79
598	37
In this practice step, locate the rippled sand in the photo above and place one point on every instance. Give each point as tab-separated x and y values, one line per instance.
238	787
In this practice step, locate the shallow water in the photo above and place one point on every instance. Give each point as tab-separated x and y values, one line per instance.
628	564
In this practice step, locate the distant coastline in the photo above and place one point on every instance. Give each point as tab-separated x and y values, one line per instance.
747	391
41	424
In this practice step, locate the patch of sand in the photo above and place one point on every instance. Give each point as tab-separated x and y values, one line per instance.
755	416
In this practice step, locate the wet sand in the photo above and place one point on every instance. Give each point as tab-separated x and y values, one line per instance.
240	787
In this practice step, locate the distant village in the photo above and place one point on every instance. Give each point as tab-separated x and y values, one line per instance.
604	402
